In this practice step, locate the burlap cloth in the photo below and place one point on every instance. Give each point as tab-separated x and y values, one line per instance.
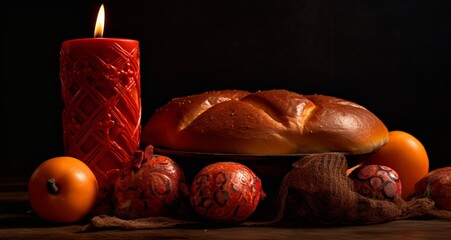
316	191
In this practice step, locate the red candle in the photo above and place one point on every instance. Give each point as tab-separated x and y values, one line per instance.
100	80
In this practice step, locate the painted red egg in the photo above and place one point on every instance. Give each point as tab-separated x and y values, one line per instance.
376	182
227	192
151	185
435	185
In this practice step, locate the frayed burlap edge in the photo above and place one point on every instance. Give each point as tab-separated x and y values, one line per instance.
109	222
422	208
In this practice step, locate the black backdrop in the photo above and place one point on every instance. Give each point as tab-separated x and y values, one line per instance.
392	57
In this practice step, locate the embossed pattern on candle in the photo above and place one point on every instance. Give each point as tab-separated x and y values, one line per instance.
101	118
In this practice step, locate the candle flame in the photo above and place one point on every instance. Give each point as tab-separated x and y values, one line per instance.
98	31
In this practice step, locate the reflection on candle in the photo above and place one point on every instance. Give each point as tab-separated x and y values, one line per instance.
100	79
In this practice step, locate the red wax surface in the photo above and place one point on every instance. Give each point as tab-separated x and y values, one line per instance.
100	83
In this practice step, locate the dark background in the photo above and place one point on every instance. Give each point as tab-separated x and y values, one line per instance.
393	57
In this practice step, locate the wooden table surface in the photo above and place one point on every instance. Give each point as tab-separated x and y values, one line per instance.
18	222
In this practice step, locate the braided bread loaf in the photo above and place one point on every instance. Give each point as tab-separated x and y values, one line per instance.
264	122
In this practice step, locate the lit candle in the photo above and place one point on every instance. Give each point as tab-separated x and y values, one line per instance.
100	80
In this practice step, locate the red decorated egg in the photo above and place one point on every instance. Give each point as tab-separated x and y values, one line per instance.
150	185
226	192
435	185
376	182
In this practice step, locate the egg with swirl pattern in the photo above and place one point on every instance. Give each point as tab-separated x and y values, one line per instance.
226	192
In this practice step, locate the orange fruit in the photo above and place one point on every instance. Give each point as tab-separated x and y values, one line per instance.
62	190
406	155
